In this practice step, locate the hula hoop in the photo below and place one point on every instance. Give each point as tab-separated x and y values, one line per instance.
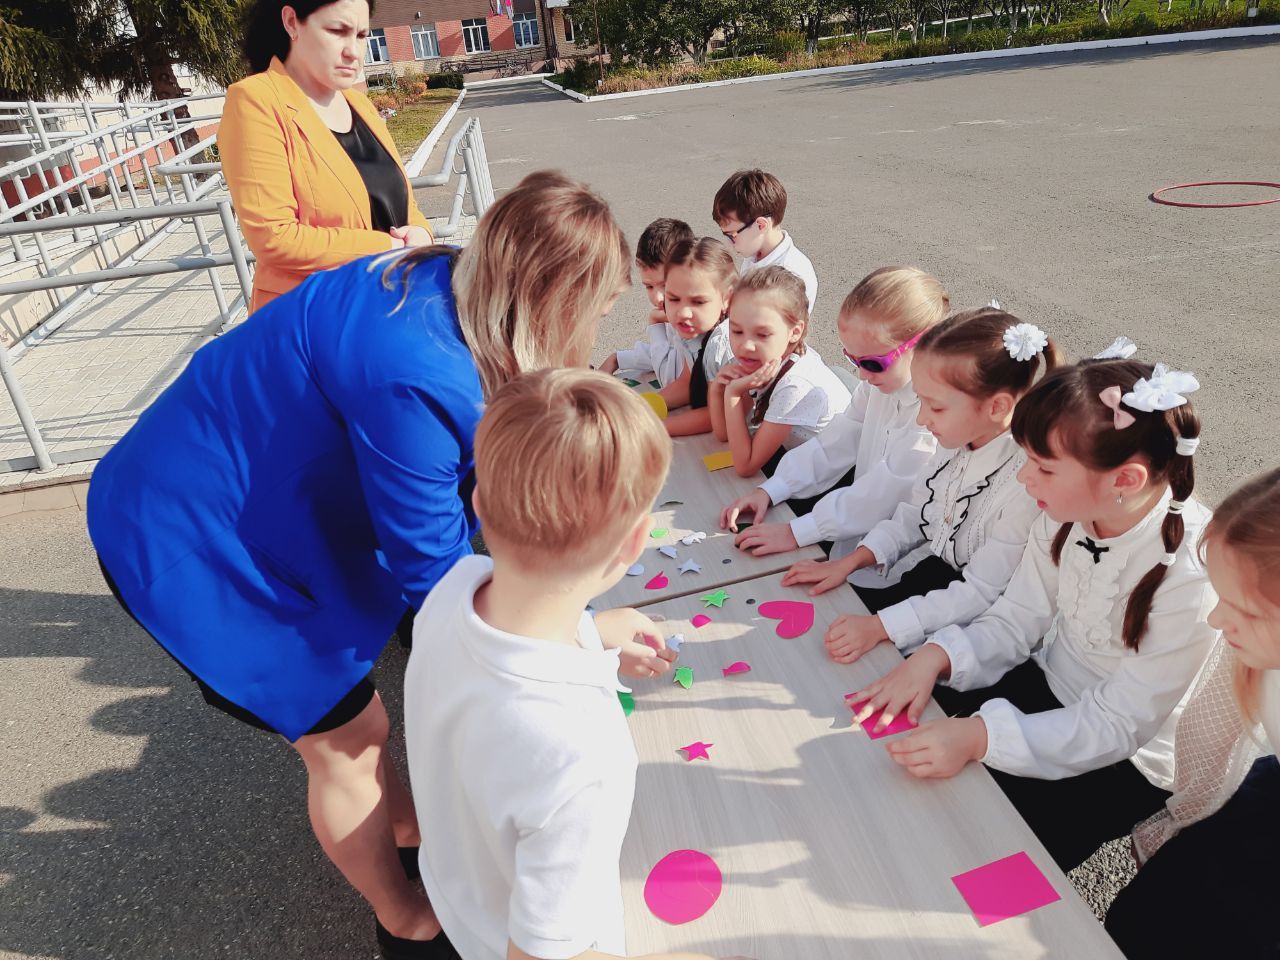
1156	197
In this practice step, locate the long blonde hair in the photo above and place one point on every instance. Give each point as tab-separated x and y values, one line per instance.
534	281
1248	523
906	300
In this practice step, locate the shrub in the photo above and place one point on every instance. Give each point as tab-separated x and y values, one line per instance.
444	81
384	101
785	44
414	89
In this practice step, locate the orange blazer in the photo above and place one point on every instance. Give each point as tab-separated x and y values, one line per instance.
301	202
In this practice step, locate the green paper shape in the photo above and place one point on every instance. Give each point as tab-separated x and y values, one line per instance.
630	383
628	703
684	676
715	599
656	384
657	533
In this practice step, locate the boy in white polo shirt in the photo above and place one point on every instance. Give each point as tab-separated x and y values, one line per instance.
522	766
749	208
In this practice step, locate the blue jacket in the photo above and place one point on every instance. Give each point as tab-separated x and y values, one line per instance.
308	476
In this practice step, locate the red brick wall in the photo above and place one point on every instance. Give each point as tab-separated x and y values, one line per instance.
399	44
502	34
397	12
449	34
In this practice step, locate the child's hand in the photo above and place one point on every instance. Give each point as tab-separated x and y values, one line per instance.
849	637
642	649
757	504
826	574
942	748
908	686
657	315
761	377
730	373
763	539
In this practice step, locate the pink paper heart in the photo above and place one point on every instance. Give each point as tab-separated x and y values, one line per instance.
700	620
795	616
658	582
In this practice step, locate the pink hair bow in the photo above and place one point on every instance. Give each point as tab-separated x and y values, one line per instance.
1111	398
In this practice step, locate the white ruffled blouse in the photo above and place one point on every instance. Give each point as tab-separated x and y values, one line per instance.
1118	704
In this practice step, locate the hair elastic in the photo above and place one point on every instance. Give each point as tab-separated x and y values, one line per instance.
1175	506
1169	559
1187	446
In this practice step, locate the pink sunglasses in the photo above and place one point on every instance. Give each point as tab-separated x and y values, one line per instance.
886	360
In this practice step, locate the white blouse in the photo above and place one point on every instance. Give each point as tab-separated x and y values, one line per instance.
1270	708
968	509
1118	704
879	433
806	398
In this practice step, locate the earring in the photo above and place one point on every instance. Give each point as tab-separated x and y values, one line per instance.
1120	498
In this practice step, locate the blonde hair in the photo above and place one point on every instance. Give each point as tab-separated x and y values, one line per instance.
783	291
905	300
1248	522
532	284
709	255
566	462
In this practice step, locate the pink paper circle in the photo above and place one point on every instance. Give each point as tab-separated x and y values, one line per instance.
682	886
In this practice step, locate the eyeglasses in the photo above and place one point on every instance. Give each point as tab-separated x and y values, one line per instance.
733	235
886	360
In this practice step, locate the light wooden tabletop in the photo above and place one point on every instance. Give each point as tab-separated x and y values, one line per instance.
701	495
829	850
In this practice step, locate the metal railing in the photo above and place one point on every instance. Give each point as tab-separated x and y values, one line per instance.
179	191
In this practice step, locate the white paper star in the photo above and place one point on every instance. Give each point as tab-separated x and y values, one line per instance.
691	566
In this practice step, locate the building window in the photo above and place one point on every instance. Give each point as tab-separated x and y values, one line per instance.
475	35
425	44
526	27
376	47
569	32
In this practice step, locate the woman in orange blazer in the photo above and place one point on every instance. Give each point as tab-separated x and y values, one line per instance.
313	171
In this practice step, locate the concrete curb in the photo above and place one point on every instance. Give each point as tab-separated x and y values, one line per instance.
423	153
1152	40
502	81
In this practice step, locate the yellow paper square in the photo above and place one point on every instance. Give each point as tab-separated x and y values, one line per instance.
718	461
659	405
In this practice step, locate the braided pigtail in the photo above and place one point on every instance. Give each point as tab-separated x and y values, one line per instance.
1184	429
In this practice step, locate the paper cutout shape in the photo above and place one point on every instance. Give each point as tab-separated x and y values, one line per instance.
683	886
795	616
671	503
714	599
628	703
696	751
693	538
630	383
635	570
691	566
669	552
656	384
718	461
656	403
658	582
1003	889
673	643
901	724
657	533
684	677
700	620
740	666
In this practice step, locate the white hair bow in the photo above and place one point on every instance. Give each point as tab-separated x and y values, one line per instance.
1122	348
1024	341
1163	390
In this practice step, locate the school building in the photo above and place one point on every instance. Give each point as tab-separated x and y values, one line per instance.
426	36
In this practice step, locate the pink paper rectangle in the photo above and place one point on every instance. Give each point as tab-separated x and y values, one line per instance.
1006	888
900	723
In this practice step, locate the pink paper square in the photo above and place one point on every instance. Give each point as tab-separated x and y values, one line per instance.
1006	888
900	723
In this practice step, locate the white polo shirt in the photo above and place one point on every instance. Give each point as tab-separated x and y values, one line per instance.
523	774
786	255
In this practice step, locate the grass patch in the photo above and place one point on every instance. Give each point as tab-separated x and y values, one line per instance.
413	121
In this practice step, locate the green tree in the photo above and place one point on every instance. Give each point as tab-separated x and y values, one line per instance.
54	48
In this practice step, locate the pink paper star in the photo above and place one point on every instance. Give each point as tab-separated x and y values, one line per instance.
696	751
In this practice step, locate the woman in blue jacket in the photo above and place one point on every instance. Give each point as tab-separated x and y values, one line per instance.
308	476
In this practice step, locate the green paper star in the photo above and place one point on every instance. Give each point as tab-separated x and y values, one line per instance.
657	533
716	599
628	703
684	677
